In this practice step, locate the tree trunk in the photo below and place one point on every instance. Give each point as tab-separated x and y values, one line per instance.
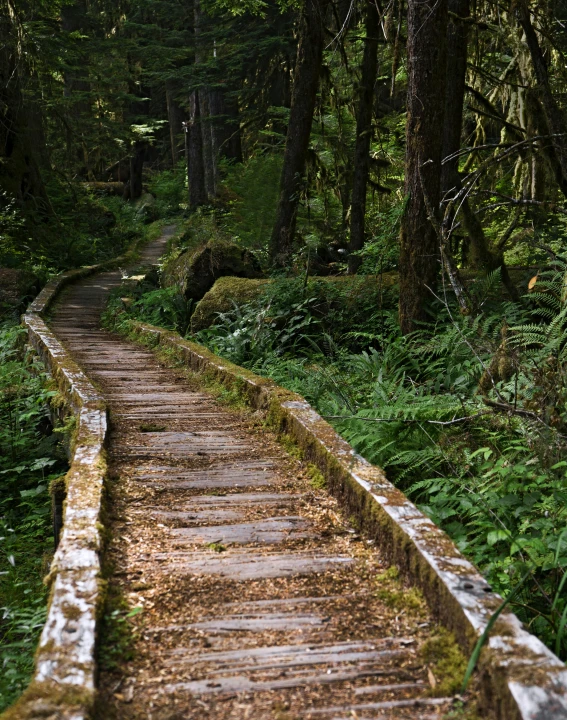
135	185
226	125
480	254
304	94
175	116
209	154
419	250
457	46
205	125
196	170
553	113
77	90
363	134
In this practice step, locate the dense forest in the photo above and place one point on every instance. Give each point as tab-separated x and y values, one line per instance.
386	180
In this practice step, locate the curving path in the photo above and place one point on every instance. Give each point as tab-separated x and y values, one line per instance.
259	601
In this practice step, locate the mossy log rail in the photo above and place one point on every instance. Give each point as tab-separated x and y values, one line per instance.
519	678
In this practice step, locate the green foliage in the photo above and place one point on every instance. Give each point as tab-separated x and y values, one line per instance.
86	229
292	318
165	307
170	190
381	251
117	631
253	192
446	662
143	301
29	461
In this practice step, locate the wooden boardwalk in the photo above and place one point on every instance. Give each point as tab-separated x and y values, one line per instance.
259	600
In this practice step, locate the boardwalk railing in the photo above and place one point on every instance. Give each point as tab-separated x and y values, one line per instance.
63	683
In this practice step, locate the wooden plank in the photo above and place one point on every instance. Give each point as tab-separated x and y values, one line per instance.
243	566
240	683
271	530
386	705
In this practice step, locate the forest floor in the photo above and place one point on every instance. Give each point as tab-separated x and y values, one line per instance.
237	589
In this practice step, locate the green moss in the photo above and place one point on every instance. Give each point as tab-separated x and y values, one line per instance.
217	547
463	711
58	487
446	662
195	271
47	700
151	427
393	593
290	446
117	633
317	479
222	297
71	612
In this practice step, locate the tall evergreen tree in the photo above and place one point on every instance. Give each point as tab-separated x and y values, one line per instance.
306	82
419	245
363	132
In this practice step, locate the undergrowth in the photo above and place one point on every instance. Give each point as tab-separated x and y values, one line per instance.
30	459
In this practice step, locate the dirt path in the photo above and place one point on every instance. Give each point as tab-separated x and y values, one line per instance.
258	599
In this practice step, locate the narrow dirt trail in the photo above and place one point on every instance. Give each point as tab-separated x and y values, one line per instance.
259	600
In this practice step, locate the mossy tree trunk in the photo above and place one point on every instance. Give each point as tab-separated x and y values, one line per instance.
480	256
208	140
363	134
554	117
195	169
419	248
304	94
457	50
457	46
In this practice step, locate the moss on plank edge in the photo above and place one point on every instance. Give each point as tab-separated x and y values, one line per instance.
52	701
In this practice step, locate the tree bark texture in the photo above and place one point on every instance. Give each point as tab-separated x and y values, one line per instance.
457	46
209	160
209	151
480	255
419	248
304	94
196	170
363	134
136	169
175	116
226	125
553	114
